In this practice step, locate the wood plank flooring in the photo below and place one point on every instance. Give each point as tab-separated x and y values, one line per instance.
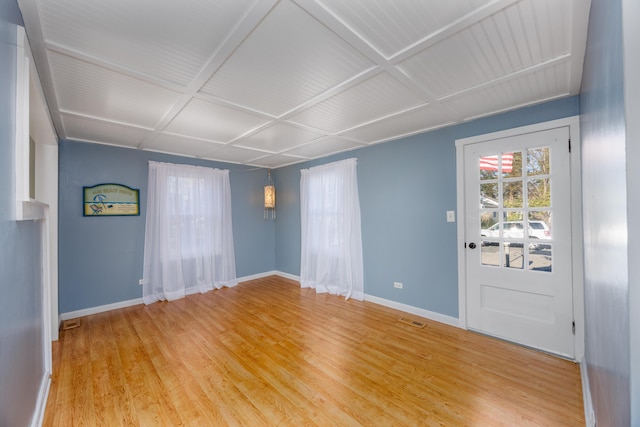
267	353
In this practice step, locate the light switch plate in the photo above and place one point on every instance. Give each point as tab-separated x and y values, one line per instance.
451	216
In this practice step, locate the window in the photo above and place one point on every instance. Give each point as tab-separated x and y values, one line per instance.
188	237
331	257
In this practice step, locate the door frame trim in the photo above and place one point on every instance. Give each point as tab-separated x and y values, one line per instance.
576	218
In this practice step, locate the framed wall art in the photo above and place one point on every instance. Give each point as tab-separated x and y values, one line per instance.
111	200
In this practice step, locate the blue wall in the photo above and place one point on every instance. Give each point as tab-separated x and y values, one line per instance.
100	259
21	323
406	187
405	235
605	215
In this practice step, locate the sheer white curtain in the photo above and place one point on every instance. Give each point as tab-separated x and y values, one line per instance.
331	257
188	243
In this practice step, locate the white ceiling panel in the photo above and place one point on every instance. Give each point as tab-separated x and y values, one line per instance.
86	129
324	147
170	143
232	154
529	89
546	35
275	161
167	39
274	82
90	90
376	97
202	119
278	137
414	121
391	26
501	44
289	59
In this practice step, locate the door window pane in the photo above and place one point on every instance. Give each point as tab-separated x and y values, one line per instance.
490	253
513	230
488	166
489	229
513	216
488	219
540	225
512	165
540	258
515	210
539	193
538	161
512	194
489	195
513	256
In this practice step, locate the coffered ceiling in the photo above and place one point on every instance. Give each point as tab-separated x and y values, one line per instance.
275	82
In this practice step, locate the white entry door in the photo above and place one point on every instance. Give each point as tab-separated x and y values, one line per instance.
518	239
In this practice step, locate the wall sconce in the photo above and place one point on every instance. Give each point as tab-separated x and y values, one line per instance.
269	199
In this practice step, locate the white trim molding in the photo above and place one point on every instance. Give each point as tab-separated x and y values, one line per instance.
287	275
99	309
123	304
257	276
22	124
41	402
431	315
589	414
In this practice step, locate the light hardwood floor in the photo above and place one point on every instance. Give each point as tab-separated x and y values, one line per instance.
267	353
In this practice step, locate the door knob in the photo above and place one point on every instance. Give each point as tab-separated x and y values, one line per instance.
472	245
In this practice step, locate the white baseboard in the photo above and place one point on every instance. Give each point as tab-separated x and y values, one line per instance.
442	318
287	275
100	309
41	403
257	276
129	303
431	315
267	274
589	414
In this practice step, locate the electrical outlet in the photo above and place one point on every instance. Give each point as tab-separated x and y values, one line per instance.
397	285
141	282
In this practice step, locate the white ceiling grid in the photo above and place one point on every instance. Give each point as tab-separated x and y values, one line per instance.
275	82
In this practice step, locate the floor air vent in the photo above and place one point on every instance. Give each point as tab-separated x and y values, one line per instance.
70	324
412	322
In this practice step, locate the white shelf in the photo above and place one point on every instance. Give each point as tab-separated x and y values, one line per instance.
30	210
